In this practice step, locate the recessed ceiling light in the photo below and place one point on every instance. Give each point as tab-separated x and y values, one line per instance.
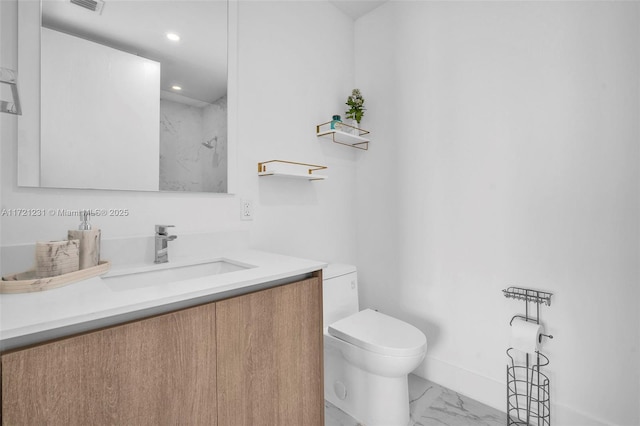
173	36
176	87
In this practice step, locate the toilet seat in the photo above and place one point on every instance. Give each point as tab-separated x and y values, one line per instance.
379	333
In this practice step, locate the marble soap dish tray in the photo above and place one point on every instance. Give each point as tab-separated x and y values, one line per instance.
27	282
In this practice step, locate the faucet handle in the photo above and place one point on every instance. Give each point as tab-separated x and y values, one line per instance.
162	229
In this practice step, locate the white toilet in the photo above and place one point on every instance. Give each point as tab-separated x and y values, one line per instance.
367	355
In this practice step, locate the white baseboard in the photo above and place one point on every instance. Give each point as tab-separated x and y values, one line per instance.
493	393
563	415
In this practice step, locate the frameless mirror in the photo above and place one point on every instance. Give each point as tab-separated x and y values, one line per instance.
133	96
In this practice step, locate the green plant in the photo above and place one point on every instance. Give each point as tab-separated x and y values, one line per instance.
356	104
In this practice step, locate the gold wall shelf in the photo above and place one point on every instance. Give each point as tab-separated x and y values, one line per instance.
290	169
349	135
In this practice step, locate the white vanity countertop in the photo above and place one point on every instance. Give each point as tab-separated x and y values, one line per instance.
35	317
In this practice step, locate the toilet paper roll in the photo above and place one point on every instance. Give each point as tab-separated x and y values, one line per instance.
525	336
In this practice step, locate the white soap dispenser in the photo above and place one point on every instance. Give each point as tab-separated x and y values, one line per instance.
89	241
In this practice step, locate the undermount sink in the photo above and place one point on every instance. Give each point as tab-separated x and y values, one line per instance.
166	273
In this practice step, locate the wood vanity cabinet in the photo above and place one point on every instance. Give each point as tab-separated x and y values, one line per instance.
156	371
255	359
270	357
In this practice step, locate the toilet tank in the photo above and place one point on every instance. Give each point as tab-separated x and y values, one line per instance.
339	292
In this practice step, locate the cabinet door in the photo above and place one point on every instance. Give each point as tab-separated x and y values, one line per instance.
270	357
157	371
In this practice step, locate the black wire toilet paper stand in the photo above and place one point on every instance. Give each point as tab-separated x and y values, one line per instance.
528	398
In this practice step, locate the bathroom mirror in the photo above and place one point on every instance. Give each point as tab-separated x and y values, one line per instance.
132	96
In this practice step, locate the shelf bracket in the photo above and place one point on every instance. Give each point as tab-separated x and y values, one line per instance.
290	169
354	139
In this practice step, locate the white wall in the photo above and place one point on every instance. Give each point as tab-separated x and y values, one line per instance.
287	86
100	112
507	137
296	71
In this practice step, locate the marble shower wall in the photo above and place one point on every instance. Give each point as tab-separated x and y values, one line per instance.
186	164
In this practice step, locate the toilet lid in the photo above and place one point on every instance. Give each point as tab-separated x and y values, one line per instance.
379	333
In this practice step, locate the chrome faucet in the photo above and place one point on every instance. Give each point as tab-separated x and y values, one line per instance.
162	243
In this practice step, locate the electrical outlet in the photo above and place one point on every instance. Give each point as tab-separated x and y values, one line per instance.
246	210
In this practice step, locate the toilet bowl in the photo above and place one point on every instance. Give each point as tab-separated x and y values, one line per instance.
368	355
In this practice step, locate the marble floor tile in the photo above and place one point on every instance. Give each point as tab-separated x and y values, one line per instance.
333	416
432	405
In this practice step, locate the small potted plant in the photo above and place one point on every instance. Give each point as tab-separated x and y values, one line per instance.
356	107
